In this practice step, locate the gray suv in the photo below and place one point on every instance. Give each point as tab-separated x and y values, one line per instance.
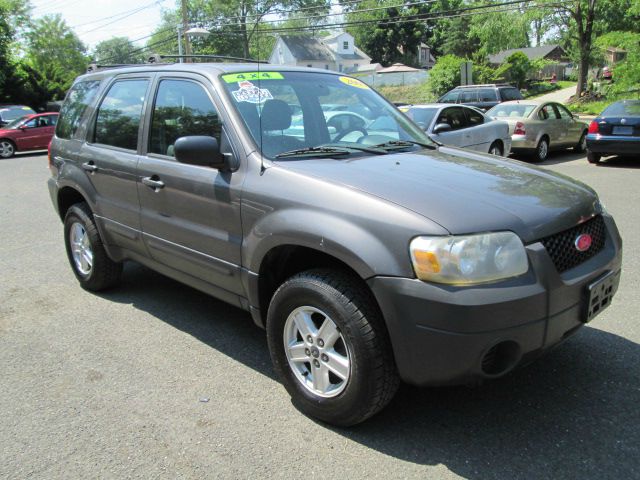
369	253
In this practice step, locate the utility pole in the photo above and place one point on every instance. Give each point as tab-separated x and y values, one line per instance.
185	27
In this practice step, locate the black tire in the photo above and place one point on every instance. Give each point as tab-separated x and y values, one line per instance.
7	148
373	379
593	157
541	152
103	272
582	144
497	148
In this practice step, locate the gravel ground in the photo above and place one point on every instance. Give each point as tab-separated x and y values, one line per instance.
156	380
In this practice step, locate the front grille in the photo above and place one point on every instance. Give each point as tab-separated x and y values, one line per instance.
561	246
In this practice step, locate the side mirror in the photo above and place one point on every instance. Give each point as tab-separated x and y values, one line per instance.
441	128
22	127
200	150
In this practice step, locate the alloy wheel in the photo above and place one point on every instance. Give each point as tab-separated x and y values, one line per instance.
317	352
81	248
6	149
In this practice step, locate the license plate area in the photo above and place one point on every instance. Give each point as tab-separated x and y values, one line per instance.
599	295
623	130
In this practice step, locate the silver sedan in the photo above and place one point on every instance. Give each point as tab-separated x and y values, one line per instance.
537	127
461	126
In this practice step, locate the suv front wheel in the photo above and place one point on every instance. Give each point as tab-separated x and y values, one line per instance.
330	347
90	263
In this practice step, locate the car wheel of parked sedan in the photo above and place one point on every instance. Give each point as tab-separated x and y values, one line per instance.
7	149
496	149
542	150
90	263
582	143
593	157
330	347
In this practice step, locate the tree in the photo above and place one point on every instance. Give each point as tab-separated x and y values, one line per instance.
515	68
497	31
117	50
14	15
445	74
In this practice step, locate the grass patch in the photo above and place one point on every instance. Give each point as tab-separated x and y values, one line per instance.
418	93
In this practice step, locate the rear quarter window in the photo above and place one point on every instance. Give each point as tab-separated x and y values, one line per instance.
510	94
79	97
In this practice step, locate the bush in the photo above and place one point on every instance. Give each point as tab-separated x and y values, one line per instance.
515	69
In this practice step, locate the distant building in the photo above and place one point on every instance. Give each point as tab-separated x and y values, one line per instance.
336	52
423	56
614	55
554	53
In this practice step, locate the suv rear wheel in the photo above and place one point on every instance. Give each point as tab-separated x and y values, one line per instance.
330	347
90	263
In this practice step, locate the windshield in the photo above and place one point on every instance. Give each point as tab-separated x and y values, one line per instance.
16	123
518	110
13	113
291	111
626	107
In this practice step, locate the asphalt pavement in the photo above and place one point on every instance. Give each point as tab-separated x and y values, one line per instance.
156	380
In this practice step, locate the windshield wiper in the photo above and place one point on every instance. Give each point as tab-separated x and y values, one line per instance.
315	152
330	151
400	144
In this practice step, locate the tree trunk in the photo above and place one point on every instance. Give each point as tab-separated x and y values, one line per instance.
585	32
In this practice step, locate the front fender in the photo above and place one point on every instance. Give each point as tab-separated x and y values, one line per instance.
357	247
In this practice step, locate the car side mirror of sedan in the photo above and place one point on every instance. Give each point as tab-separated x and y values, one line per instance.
441	128
201	150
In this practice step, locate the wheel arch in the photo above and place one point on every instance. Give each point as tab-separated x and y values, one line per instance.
68	196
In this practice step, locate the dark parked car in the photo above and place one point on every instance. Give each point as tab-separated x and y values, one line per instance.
482	96
616	131
30	132
9	113
368	252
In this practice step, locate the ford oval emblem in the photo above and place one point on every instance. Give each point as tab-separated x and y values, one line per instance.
583	242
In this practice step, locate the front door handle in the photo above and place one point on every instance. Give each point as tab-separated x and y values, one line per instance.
90	166
153	182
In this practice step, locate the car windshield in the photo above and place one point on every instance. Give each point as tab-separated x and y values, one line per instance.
518	110
626	107
16	123
422	116
13	113
318	114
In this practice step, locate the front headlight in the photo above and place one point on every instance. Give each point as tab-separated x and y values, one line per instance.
468	259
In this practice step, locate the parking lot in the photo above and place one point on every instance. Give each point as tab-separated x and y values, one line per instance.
156	380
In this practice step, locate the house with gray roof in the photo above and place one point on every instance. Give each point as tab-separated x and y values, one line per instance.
336	52
554	53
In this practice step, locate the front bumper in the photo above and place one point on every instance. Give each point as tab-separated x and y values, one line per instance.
613	144
444	334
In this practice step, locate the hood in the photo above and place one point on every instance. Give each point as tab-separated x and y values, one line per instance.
463	191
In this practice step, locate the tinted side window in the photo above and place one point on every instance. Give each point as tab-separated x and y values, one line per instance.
450	97
453	116
487	95
510	94
74	106
119	114
468	96
474	118
182	108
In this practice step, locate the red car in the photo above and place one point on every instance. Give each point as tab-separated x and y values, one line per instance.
31	132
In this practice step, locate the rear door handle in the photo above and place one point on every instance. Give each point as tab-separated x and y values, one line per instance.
90	166
153	182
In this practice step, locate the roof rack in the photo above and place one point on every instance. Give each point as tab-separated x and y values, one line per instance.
94	67
222	58
485	85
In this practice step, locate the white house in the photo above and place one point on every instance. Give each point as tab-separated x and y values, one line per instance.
337	52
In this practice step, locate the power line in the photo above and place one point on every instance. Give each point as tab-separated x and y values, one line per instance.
155	2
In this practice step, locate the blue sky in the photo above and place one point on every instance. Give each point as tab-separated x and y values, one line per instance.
90	19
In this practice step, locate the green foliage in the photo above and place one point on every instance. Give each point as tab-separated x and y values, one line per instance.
445	75
117	50
515	69
626	74
418	93
497	31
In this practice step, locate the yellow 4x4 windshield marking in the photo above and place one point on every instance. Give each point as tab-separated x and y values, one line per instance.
244	76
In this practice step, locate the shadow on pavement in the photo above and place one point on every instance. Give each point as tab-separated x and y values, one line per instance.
573	414
620	162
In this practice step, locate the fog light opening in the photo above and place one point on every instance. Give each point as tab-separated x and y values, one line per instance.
500	358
